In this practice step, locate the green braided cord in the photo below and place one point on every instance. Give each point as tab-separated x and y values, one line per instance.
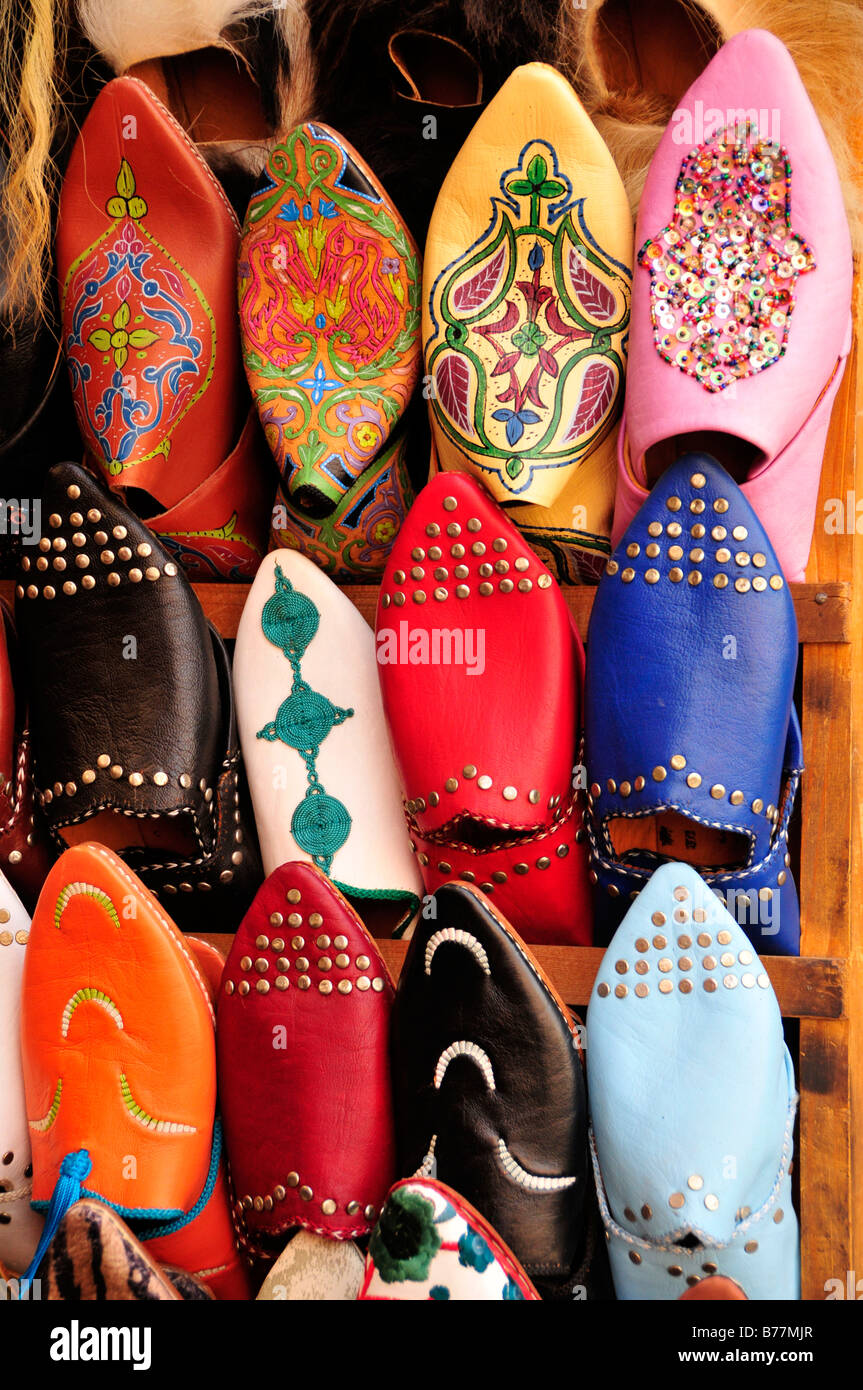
321	823
396	895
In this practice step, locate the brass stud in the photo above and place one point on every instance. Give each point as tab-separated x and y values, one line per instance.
659	774
720	581
642	944
507	586
655	528
621	991
697	506
676	1200
628	575
674	529
633	550
673	504
453	530
665	986
750	1247
717	791
720	505
544	581
651	576
635	1257
612	567
776	581
759	560
694	577
604	990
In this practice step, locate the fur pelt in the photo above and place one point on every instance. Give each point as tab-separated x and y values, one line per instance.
127	32
824	37
357	81
273	39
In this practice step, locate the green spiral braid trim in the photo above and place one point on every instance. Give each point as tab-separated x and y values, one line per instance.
40	1126
149	1121
321	823
72	890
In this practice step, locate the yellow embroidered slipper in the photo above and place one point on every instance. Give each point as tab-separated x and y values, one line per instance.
526	294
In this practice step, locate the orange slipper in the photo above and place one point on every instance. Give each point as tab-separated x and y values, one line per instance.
119	1061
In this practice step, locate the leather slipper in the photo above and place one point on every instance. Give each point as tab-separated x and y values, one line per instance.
431	1245
741	316
20	1226
314	1268
488	1080
146	248
526	296
481	668
146	757
303	1034
120	1068
329	291
703	769
320	769
687	1065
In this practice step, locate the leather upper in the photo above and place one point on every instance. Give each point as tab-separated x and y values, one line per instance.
25	852
488	1080
526	297
114	637
329	290
146	244
688	699
480	669
692	1101
796	199
430	1244
117	1032
303	1033
315	744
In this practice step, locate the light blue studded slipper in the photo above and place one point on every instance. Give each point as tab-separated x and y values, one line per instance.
692	1101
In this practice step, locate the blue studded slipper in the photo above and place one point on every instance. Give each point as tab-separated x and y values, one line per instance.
692	1101
693	747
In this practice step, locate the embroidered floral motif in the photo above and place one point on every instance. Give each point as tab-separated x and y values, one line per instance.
473	1251
140	337
723	273
529	339
329	287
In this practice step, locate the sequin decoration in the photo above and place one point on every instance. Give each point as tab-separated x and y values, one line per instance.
724	272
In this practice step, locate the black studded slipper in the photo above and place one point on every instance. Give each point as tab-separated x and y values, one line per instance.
132	718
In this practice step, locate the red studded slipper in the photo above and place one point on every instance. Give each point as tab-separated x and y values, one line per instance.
481	672
303	1061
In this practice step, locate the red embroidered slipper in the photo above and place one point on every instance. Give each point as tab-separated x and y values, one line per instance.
146	248
481	672
303	1060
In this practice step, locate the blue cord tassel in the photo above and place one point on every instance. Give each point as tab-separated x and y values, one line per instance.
74	1169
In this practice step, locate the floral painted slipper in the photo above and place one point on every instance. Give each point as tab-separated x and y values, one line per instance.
321	773
303	1037
314	1268
329	290
20	1226
692	1101
525	314
489	1084
146	246
120	1069
481	669
431	1245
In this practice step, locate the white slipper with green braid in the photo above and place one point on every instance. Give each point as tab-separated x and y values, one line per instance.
315	745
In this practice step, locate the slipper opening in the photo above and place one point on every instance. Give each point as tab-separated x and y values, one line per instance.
671	835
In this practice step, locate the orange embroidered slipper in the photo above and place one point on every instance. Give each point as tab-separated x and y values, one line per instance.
120	1069
329	290
146	245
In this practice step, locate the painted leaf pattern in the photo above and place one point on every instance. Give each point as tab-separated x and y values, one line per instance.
452	381
597	393
594	296
470	296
